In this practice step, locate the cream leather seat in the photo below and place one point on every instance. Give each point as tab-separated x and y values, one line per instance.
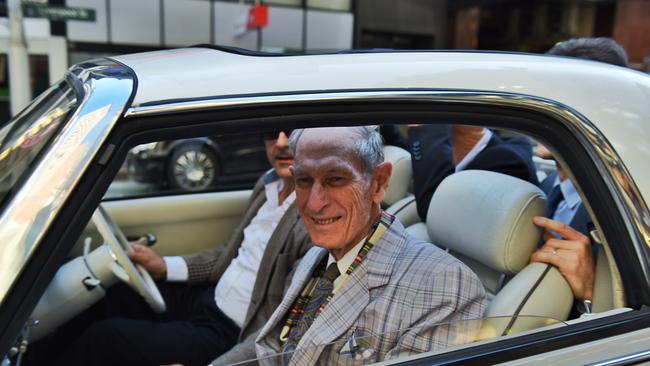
398	200
485	219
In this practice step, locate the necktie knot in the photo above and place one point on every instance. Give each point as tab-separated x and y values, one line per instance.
332	272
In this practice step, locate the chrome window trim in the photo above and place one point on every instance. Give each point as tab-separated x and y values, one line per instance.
629	201
107	89
630	359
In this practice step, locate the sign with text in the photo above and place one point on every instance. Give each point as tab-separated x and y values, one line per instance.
58	13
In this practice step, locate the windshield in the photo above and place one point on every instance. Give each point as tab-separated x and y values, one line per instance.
360	348
23	138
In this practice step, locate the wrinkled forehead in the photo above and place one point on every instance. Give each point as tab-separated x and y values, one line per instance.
331	146
330	141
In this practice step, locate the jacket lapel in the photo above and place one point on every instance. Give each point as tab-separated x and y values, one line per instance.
276	243
269	339
581	220
353	298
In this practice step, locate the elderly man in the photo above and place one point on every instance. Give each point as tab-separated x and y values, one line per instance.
367	285
215	299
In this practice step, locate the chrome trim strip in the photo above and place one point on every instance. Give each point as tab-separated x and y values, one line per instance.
609	165
31	211
630	359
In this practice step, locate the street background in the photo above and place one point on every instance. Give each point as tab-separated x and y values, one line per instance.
60	33
44	38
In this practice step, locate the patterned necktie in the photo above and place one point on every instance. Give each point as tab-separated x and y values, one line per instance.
554	200
323	288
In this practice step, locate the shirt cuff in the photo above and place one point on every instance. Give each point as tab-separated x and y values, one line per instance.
176	269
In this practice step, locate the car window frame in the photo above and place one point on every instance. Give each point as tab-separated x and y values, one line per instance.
134	130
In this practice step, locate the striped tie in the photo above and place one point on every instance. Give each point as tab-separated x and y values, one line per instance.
323	288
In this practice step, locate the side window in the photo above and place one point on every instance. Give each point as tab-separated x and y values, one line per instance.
210	163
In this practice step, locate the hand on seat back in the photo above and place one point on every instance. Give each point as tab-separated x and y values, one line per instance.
150	260
571	255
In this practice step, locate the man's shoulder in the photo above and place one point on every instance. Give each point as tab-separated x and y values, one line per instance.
424	271
421	256
429	260
427	256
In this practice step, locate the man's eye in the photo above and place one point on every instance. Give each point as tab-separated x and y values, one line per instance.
335	180
303	182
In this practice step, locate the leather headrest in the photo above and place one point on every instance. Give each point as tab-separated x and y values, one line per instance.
401	177
488	217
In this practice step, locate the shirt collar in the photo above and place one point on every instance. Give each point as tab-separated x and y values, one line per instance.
344	263
480	145
273	185
569	192
271	176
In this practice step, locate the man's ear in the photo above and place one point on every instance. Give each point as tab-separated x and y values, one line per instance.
380	179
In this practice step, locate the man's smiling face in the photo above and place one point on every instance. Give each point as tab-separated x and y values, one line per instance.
338	201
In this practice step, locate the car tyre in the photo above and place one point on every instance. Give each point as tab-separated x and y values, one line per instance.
192	167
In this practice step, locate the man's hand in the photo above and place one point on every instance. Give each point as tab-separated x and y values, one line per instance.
150	260
543	152
571	255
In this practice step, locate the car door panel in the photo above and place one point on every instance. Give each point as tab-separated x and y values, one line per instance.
183	224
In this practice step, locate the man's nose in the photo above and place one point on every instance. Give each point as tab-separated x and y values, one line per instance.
318	198
282	141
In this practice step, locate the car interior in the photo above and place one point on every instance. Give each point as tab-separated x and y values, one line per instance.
482	218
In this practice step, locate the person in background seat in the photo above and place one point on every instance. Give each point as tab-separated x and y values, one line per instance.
438	151
566	239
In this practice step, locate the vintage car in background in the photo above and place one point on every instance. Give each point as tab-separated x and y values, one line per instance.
234	161
62	244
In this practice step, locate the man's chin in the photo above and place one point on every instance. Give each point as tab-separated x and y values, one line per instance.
282	171
326	245
328	242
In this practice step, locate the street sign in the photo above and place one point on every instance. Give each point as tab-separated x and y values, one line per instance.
58	13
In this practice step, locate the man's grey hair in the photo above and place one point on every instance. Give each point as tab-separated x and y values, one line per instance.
601	49
369	146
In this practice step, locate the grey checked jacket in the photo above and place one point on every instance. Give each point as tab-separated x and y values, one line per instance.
391	306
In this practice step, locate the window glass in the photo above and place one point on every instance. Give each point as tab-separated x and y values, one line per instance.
24	137
361	349
341	5
284	2
211	163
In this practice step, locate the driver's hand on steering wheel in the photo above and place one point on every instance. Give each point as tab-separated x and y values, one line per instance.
150	260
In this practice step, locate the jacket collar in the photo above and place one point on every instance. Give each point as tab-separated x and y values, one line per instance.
344	309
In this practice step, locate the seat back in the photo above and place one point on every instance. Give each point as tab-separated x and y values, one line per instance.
485	219
398	200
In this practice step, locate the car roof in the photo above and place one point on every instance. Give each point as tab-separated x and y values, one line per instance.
615	99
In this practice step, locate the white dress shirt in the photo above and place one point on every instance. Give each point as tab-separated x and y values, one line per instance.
344	263
568	207
480	146
235	287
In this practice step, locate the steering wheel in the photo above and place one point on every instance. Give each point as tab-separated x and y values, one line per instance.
132	274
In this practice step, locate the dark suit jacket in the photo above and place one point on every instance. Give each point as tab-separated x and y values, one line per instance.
288	243
581	221
431	157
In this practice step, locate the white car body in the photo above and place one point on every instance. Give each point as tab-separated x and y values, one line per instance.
602	111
